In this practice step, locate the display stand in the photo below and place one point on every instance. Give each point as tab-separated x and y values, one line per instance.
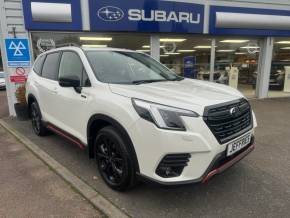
234	77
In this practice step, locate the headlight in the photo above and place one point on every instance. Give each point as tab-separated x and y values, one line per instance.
164	117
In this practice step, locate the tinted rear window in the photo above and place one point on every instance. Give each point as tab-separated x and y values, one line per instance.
38	64
50	66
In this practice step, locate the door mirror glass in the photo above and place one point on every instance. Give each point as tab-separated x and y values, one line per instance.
70	82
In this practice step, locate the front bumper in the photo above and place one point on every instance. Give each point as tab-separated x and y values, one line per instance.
218	166
208	157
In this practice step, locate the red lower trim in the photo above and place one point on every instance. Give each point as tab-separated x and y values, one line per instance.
228	164
63	134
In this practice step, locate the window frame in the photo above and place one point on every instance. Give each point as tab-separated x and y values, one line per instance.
83	69
58	62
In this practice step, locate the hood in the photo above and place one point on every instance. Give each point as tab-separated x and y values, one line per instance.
189	94
2	80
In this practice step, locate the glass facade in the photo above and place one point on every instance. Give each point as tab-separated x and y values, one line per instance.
235	58
236	63
280	69
188	56
43	41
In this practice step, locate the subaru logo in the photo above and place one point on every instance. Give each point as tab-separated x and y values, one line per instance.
235	111
110	13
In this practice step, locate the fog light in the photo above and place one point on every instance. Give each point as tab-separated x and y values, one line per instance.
172	165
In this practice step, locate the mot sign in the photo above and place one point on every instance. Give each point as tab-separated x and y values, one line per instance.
17	51
146	16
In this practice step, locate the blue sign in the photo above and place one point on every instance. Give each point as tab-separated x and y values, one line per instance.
244	31
146	16
189	66
17	51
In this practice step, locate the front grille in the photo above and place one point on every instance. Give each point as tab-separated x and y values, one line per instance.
226	125
172	165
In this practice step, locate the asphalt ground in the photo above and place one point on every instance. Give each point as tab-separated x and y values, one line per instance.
258	186
29	188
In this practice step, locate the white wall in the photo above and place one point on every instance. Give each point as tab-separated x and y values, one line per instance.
11	15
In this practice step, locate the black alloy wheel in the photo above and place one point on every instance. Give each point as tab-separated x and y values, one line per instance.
113	159
36	120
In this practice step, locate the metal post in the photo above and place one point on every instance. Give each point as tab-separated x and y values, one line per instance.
155	47
212	60
264	67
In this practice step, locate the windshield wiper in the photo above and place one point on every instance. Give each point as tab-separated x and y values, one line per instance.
179	78
138	82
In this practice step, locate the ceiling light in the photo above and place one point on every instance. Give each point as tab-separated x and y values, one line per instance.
285	60
172	40
172	53
240	53
186	50
96	38
148	46
234	41
250	47
164	55
203	46
95	46
225	50
286	48
143	50
283	42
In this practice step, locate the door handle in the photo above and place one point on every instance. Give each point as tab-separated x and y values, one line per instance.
83	96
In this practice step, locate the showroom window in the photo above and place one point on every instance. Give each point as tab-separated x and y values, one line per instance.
43	41
236	63
186	55
280	70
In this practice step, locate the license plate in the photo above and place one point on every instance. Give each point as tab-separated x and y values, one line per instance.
238	145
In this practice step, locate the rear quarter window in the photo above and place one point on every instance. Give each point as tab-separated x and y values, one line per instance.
38	64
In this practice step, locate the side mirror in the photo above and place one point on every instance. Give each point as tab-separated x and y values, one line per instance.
70	82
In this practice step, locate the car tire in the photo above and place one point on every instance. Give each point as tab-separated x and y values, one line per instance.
113	159
36	118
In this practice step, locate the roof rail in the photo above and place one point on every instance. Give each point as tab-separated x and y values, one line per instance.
67	44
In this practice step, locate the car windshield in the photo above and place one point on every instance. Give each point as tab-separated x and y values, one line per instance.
121	67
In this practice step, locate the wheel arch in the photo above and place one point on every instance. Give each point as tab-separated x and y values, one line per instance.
97	122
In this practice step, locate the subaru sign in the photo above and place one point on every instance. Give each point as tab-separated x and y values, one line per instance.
146	16
110	13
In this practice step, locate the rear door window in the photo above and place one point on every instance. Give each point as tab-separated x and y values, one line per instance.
50	66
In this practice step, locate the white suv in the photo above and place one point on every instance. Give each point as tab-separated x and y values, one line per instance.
138	118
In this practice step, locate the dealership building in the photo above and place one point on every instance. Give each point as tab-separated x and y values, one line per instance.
241	43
